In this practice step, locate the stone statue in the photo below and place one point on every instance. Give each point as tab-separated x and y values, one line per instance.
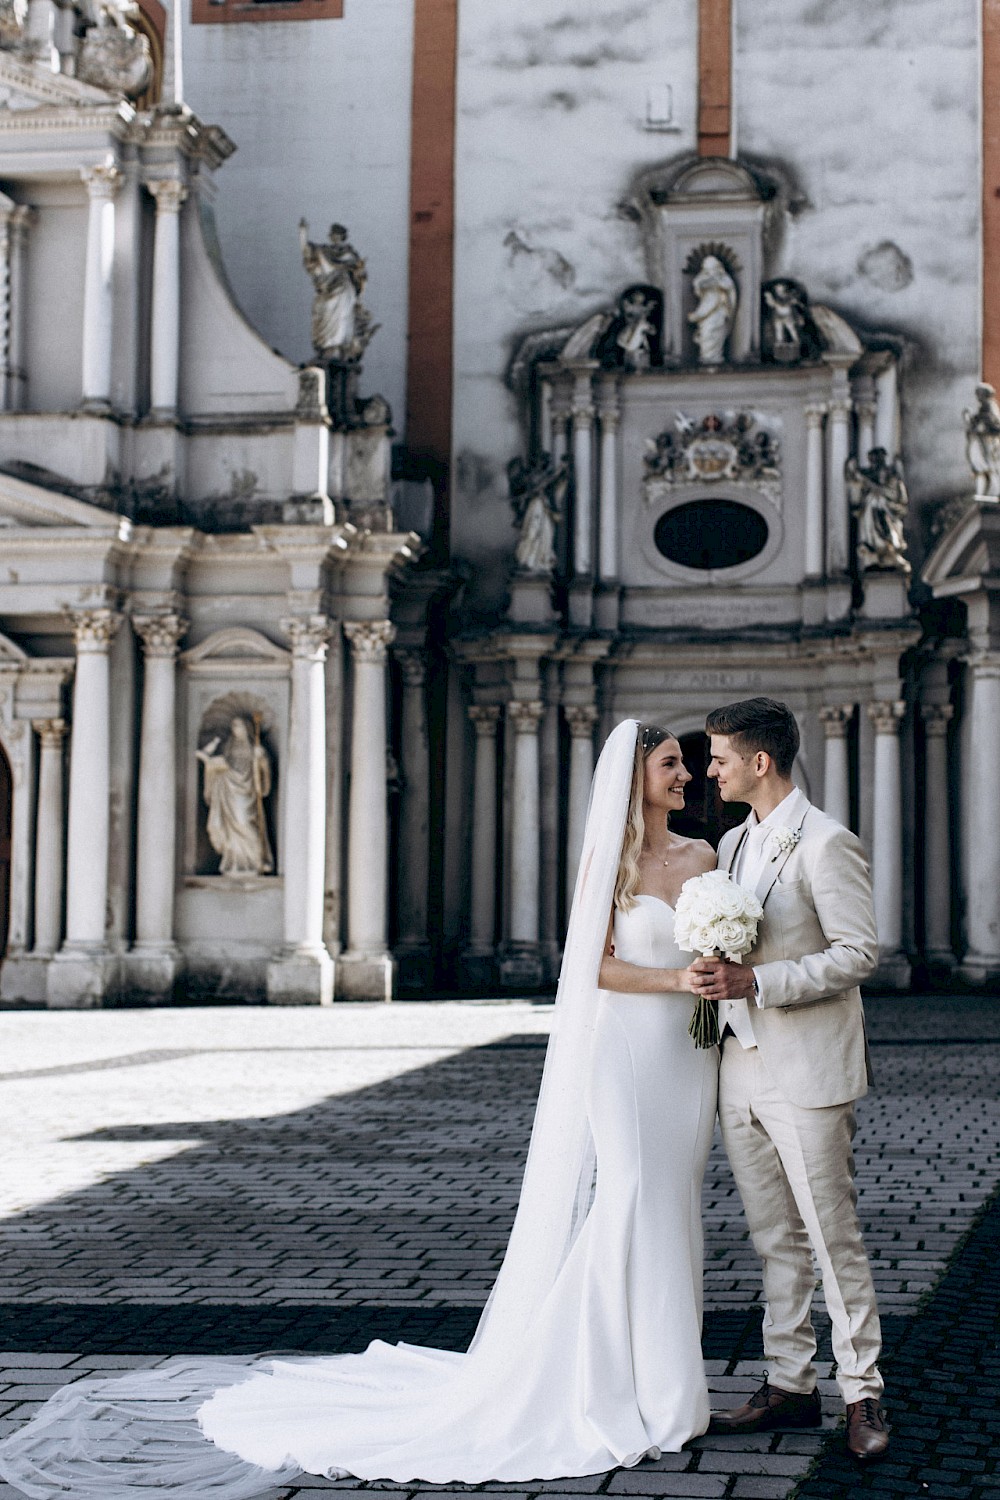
114	55
715	313
786	320
237	784
13	14
879	500
982	442
637	330
537	491
341	325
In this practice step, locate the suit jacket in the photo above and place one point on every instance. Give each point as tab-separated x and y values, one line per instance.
816	943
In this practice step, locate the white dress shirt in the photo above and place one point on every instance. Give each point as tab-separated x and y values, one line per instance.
748	867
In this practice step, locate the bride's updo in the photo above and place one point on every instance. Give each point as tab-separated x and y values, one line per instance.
646	741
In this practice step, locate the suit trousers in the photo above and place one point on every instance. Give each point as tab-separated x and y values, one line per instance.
794	1168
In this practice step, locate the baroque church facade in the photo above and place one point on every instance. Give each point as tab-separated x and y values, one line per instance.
301	685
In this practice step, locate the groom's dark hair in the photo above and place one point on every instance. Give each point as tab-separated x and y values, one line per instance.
759	724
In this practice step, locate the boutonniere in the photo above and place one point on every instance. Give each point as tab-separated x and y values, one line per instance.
785	839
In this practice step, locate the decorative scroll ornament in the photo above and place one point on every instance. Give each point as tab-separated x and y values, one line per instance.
712	450
879	500
113	55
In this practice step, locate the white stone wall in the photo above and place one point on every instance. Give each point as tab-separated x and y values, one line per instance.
552	104
320	114
874	106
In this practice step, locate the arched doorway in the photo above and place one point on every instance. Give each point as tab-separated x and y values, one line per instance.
6	810
705	815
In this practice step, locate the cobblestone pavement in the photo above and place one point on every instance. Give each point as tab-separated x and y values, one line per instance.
224	1180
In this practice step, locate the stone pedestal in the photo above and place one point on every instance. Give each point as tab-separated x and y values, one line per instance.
836	769
887	845
981	963
521	964
885	595
302	973
531	599
938	949
152	963
477	960
103	182
84	971
366	969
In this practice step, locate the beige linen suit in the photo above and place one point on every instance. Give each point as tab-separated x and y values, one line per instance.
786	1105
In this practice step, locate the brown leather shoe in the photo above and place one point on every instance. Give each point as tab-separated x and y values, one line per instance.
867	1431
768	1408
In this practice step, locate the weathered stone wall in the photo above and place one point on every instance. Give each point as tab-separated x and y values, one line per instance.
320	112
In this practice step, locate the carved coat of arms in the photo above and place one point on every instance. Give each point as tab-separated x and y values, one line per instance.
714	449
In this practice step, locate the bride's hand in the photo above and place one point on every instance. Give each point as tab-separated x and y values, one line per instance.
690	980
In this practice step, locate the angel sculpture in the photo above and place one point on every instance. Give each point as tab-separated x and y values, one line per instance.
636	332
537	493
982	441
879	500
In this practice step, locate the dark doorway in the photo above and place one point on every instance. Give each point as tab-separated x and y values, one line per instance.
705	816
6	809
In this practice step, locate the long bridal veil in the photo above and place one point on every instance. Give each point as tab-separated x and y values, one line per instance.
396	1411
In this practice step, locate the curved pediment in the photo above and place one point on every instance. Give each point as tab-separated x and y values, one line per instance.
235	645
713	177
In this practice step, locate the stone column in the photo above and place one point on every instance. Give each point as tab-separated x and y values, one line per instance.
982	895
887	410
814	492
608	412
581	721
887	843
865	407
836	769
17	373
937	836
583	476
103	182
482	905
81	973
49	837
152	963
366	970
560	410
302	973
521	965
166	317
838	514
414	829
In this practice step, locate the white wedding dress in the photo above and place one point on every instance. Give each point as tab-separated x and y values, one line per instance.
588	1356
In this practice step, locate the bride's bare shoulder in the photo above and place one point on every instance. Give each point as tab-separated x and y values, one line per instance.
698	853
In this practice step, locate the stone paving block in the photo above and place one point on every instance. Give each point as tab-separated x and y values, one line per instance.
634	1482
756	1487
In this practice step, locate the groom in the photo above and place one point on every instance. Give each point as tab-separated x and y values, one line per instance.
794	1060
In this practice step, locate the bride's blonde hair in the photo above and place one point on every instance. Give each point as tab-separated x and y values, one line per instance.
627	883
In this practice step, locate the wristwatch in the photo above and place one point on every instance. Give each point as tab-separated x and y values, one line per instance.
756	987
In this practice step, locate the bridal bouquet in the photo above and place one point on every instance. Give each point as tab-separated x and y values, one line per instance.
714	917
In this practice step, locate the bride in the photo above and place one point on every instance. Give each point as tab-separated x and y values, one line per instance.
588	1353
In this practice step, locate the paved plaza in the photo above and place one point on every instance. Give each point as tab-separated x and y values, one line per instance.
225	1180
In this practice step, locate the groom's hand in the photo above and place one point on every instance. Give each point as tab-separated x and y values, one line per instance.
718	980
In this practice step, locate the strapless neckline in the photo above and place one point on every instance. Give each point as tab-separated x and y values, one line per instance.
648	896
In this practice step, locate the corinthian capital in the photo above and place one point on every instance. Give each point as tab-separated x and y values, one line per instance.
169	194
308	636
94	629
370	639
412	666
835	720
936	717
525	717
160	634
581	720
51	732
103	180
887	716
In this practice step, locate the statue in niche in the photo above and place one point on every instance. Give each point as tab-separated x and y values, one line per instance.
878	499
113	54
13	14
788	329
342	326
237	784
713	316
537	493
638	329
982	441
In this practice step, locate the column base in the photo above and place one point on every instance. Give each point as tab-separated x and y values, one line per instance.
531	599
893	973
23	978
980	968
838	599
151	972
300	977
581	603
414	969
366	976
477	969
608	606
81	978
521	967
940	958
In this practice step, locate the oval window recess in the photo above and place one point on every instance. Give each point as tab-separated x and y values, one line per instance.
711	534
